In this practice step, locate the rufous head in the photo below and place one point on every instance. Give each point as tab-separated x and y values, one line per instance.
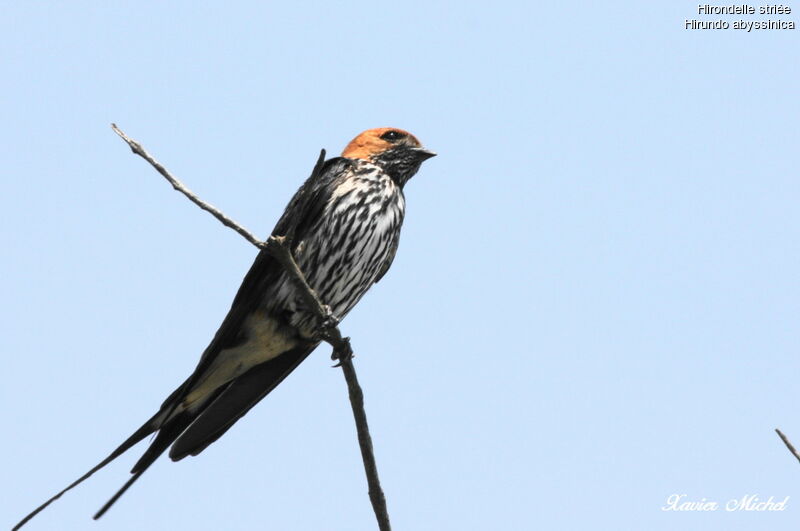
397	151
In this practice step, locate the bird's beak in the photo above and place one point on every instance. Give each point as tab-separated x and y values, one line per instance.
423	154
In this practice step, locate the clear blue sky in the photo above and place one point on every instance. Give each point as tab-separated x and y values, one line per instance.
594	305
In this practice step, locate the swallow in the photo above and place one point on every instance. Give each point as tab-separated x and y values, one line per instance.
343	228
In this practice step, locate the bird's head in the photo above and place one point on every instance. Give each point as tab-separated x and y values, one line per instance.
398	152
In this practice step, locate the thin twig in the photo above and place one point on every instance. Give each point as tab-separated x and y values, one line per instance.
376	496
137	148
279	247
788	444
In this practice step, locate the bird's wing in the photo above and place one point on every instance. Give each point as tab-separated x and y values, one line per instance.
225	406
192	430
237	397
235	401
301	213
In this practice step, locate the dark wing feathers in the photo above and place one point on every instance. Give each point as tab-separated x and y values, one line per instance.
309	202
305	207
236	400
194	432
162	441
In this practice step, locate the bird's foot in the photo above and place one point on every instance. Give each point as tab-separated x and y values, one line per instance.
330	321
343	353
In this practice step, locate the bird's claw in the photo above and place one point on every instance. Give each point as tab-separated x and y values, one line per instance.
343	354
330	321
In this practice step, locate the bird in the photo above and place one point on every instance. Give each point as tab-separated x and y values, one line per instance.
342	227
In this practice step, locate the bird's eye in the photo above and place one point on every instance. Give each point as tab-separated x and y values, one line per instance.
392	136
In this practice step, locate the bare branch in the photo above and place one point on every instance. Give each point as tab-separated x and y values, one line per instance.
278	246
137	148
376	496
788	444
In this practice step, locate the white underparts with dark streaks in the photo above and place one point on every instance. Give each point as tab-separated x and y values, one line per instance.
348	247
